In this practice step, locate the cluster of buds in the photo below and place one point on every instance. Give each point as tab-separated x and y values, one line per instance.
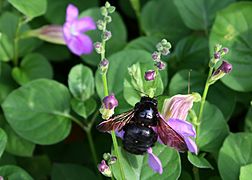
109	103
225	66
103	167
163	48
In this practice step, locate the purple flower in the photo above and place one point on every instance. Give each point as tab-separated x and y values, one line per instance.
161	65
175	111
110	102
225	67
154	162
104	169
149	75
73	30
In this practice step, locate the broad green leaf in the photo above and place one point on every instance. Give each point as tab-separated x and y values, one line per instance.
199	14
3	141
6	48
179	84
81	82
85	108
191	52
213	128
232	29
118	69
38	111
12	172
235	153
117	41
135	84
71	172
245	172
30	8
248	121
33	66
16	145
199	161
59	16
161	17
136	167
7	84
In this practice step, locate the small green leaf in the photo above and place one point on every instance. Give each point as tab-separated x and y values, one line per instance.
199	14
11	172
3	141
81	82
135	83
117	41
38	111
248	121
199	161
163	19
85	108
6	48
71	172
213	128
245	172
136	167
30	8
234	154
33	66
232	29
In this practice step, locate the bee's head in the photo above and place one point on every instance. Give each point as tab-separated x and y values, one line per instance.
146	99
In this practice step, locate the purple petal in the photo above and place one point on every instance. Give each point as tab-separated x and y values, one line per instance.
80	44
67	31
84	24
119	134
191	145
154	162
71	13
182	127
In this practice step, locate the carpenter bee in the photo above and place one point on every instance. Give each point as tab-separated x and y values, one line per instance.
142	127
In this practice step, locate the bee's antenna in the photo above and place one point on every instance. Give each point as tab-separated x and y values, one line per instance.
189	81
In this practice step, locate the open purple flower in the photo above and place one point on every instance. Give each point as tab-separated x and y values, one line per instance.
74	29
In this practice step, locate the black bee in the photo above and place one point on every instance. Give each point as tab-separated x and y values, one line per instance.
138	125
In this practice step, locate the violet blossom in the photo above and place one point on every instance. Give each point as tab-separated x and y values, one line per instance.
109	103
74	29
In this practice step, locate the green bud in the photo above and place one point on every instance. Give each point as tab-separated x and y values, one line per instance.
104	11
100	24
106	156
111	9
159	47
107	4
108	19
217	48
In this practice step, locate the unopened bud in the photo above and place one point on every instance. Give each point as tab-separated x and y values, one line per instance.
104	169
155	56
98	47
104	11
108	19
111	9
224	51
150	75
100	24
217	47
224	69
160	65
159	47
106	156
110	102
104	65
165	51
107	35
107	4
112	160
217	55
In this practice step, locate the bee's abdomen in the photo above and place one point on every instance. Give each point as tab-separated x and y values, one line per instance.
137	139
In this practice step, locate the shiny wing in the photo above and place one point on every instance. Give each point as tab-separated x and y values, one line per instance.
117	122
169	136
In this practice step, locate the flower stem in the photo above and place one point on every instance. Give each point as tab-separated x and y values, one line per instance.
196	173
16	41
91	144
203	100
136	6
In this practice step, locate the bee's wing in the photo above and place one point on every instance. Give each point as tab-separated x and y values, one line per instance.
117	122
169	136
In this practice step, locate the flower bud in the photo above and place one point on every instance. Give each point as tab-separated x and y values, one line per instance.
100	24
150	75
155	56
109	103
159	47
111	9
104	169
217	55
104	11
224	69
104	65
107	4
107	35
161	65
217	47
225	50
106	156
108	19
112	160
98	47
165	51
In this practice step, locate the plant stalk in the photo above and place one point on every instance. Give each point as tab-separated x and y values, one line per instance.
196	173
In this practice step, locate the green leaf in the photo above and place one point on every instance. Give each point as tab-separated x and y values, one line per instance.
85	108
81	82
71	172
33	66
232	29
16	145
135	83
30	8
3	141
179	84
199	161
191	52
59	16
136	167
7	84
11	172
118	64
38	111
245	172
235	153
199	14
248	121
161	17
213	128
117	41
6	48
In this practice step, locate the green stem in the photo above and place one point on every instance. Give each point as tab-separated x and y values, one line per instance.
136	6
16	41
92	147
196	173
